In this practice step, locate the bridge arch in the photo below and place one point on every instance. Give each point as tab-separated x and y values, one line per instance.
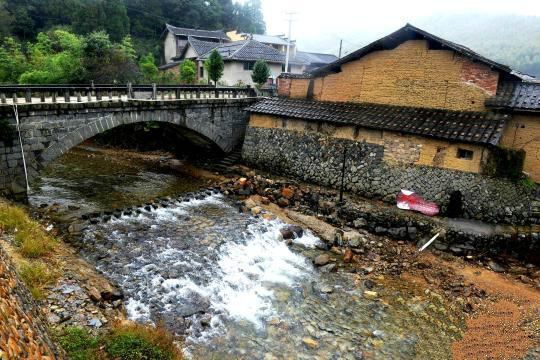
53	129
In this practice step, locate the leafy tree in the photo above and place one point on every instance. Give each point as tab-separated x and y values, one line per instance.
107	62
188	72
214	66
261	72
56	58
6	20
149	70
12	61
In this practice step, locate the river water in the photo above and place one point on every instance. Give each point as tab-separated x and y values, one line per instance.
224	279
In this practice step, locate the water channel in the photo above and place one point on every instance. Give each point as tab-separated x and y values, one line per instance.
223	279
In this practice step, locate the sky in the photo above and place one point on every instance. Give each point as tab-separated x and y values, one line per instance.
320	24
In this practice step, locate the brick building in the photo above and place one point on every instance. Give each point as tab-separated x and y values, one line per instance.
426	100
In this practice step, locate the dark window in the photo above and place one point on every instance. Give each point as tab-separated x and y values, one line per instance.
282	67
464	154
202	72
249	65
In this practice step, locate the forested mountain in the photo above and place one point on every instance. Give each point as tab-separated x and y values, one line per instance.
513	40
143	19
75	41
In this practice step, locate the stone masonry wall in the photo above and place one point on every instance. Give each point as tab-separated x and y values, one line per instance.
49	130
23	333
318	159
411	75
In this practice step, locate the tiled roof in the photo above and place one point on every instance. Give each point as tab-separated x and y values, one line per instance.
410	32
468	127
316	58
202	47
294	76
209	34
250	50
518	96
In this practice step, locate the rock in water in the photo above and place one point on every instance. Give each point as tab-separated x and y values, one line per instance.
322	260
310	343
291	231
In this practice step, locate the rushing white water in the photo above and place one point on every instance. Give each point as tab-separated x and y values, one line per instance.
235	276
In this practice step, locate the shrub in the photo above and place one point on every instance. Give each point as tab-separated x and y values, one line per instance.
137	342
79	344
261	72
126	342
188	72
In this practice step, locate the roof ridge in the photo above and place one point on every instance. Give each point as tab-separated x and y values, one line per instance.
241	47
387	41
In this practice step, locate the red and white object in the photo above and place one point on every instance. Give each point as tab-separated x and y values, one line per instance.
408	200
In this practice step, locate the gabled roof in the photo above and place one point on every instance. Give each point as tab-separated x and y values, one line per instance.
207	34
410	32
316	58
516	96
466	127
250	50
202	47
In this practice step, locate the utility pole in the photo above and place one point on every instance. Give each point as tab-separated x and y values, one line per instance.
340	45
290	14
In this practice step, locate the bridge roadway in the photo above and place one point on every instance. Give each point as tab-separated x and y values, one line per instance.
53	119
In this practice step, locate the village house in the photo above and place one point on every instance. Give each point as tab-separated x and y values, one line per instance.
240	51
422	112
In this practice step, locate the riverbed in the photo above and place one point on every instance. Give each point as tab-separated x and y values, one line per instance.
225	281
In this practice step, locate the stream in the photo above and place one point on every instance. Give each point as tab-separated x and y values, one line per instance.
225	280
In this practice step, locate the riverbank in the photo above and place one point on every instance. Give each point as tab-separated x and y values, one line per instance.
386	274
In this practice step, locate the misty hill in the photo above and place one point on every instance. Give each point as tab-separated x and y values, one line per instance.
513	40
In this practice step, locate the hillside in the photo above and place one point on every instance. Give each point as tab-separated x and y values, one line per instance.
510	39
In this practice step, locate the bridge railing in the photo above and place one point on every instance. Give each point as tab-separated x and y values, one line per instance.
27	94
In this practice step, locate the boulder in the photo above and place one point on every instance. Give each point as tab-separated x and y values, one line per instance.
249	203
291	231
77	227
322	260
283	202
353	238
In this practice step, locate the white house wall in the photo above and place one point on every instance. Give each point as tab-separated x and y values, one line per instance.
170	47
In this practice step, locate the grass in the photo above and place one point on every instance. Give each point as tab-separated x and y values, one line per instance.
528	183
123	342
35	275
33	244
31	239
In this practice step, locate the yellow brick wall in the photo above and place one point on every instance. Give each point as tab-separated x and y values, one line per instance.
299	88
399	149
523	132
411	75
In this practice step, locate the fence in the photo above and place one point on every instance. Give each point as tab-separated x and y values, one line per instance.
14	94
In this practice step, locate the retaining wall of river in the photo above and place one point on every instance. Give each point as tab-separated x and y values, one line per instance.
318	159
23	330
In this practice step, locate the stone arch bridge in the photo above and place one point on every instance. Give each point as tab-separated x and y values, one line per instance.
55	119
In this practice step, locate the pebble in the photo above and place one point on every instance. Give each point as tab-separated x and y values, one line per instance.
310	343
370	294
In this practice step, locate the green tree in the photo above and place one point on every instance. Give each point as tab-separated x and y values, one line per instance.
56	58
214	65
188	72
6	20
149	70
261	72
12	61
